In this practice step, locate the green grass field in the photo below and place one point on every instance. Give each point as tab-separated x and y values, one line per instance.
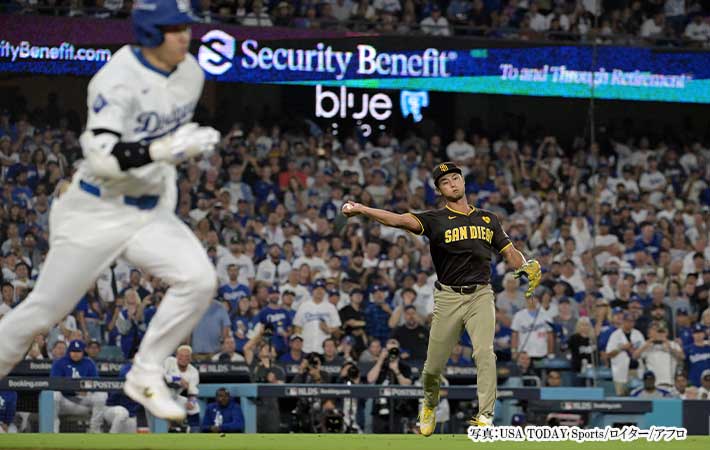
305	442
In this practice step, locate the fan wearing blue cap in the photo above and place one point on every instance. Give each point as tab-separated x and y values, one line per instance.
617	319
274	322
698	354
76	365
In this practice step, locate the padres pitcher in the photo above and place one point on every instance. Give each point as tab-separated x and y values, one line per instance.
462	242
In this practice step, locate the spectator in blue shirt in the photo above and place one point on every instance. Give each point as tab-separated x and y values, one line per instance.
76	365
8	406
683	330
232	290
649	241
22	194
224	415
130	323
241	323
135	284
377	314
698	355
265	190
617	319
458	358
276	319
295	353
211	330
502	341
90	316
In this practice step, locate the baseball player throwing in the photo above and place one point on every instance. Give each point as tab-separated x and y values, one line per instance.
462	240
121	200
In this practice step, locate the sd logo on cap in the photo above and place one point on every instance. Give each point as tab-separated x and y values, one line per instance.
443	169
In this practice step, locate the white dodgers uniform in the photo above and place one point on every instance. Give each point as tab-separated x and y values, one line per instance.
101	218
173	375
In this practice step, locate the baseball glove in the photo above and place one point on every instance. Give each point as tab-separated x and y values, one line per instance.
531	270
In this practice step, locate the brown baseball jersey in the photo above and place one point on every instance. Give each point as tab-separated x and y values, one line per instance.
461	244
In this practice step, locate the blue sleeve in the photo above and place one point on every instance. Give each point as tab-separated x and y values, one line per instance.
57	369
259	318
8	413
83	305
225	319
237	423
208	420
124	370
91	369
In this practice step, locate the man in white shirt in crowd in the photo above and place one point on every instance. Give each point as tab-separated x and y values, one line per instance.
531	333
704	390
620	349
313	261
274	269
435	24
661	355
459	150
538	22
300	293
238	258
698	29
316	320
653	26
341	9
653	181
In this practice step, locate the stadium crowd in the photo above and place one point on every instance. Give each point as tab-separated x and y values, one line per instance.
621	229
660	22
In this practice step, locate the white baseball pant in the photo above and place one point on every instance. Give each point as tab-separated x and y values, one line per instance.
183	401
86	234
91	405
11	428
119	419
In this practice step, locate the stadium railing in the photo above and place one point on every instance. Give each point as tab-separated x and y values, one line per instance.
601	410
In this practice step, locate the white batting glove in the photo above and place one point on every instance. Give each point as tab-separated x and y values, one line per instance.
186	142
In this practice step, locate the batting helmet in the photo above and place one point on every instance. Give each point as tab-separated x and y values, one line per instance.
150	15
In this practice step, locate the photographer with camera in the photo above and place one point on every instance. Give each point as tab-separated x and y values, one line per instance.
388	370
310	371
304	417
260	356
350	374
661	355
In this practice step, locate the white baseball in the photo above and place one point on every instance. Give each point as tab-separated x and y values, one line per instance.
347	207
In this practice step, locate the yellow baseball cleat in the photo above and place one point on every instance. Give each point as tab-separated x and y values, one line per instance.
427	421
481	421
